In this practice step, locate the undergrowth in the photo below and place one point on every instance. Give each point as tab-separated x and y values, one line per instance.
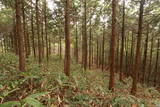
47	86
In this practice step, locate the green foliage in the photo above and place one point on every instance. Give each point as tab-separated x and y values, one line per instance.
80	99
8	68
30	100
156	102
6	22
11	104
8	61
153	92
123	101
38	95
47	85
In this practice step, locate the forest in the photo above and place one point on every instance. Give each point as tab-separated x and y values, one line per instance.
79	53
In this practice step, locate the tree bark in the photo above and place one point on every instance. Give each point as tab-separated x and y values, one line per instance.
49	46
67	39
85	53
122	43
131	55
15	38
103	44
138	47
24	27
46	33
117	54
60	46
97	58
90	45
145	56
112	46
76	50
150	61
28	41
126	46
157	64
42	35
33	37
38	34
20	36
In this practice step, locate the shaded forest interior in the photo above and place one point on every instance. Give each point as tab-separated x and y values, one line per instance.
79	53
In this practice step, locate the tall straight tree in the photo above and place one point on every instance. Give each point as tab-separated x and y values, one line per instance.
112	46
76	50
117	53
122	43
67	39
103	44
20	36
85	53
15	38
97	62
90	43
38	33
145	56
32	30
42	33
28	40
46	33
157	64
131	54
138	47
126	57
150	60
24	26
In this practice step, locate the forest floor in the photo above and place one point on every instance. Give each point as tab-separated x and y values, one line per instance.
47	86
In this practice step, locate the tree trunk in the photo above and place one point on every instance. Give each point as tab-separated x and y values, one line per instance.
38	34
60	46
137	57
157	64
92	63
49	46
90	45
33	37
42	35
112	46
131	55
100	54
150	61
46	33
117	54
122	43
24	27
85	50
145	57
20	36
76	50
97	62
67	39
15	39
103	43
126	46
28	41
16	48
